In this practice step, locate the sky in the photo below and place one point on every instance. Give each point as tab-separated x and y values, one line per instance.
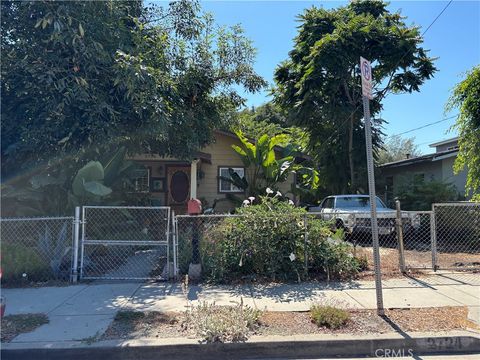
454	38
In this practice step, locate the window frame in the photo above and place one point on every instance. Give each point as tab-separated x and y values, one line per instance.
219	182
147	188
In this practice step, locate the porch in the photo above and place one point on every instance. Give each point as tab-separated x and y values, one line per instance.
172	182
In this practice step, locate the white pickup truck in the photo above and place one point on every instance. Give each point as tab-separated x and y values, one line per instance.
352	213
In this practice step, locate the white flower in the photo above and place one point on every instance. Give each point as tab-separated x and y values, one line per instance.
278	193
290	202
292	256
24	275
251	198
245	203
269	191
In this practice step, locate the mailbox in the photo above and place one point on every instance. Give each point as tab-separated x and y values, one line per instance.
194	207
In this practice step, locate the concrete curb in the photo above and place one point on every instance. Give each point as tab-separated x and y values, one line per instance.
394	346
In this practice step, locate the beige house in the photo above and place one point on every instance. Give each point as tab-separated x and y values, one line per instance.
172	182
435	166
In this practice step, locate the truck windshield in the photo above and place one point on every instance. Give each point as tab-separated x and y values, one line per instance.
356	202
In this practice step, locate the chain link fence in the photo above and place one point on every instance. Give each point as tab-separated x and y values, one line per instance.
36	250
356	228
409	240
125	243
417	246
456	240
192	233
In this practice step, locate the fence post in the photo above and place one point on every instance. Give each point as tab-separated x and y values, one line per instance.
76	236
433	238
305	242
174	244
399	224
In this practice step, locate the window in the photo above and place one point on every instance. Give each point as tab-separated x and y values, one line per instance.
328	203
141	180
358	202
225	186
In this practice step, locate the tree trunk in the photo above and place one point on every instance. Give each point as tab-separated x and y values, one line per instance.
350	155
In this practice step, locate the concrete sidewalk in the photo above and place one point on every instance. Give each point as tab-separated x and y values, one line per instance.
84	311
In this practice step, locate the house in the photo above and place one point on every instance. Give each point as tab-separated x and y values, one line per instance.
435	166
172	182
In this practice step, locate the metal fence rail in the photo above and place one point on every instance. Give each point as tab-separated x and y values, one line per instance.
125	242
36	249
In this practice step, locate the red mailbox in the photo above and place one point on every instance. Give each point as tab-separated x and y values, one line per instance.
194	207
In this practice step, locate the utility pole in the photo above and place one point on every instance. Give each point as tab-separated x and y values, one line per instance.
366	71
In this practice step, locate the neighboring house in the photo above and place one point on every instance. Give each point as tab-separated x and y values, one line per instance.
435	166
172	182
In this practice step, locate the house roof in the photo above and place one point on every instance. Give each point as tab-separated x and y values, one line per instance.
231	134
443	142
420	159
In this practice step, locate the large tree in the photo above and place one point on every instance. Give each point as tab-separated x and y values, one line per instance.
79	77
466	97
397	148
320	82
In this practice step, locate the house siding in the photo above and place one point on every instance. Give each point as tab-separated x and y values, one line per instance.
222	155
438	170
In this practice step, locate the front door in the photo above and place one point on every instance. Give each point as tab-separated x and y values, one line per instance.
178	192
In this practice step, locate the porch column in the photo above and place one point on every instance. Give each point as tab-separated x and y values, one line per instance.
193	179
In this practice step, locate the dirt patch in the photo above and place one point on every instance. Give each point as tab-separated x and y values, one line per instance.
13	325
368	322
417	262
133	324
164	325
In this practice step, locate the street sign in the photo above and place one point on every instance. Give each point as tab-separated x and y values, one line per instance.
366	70
367	94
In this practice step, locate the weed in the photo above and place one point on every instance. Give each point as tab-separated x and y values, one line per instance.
214	323
329	316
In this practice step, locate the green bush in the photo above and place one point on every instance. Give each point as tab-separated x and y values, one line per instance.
18	259
267	241
417	194
329	316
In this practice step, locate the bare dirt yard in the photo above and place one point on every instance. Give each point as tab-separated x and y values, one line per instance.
415	261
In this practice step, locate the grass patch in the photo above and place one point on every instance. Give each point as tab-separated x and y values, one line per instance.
214	323
13	325
329	316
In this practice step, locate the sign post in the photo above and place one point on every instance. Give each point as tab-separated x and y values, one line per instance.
366	71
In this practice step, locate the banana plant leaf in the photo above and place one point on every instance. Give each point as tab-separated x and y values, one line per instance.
93	171
97	189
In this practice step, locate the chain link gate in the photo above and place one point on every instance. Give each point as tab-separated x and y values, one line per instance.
125	243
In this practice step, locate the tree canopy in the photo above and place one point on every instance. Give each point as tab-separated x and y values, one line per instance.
397	148
269	119
82	76
320	82
466	96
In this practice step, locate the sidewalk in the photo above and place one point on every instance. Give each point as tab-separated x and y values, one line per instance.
84	311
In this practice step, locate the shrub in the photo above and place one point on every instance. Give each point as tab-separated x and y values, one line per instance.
214	323
417	194
19	259
329	316
268	241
